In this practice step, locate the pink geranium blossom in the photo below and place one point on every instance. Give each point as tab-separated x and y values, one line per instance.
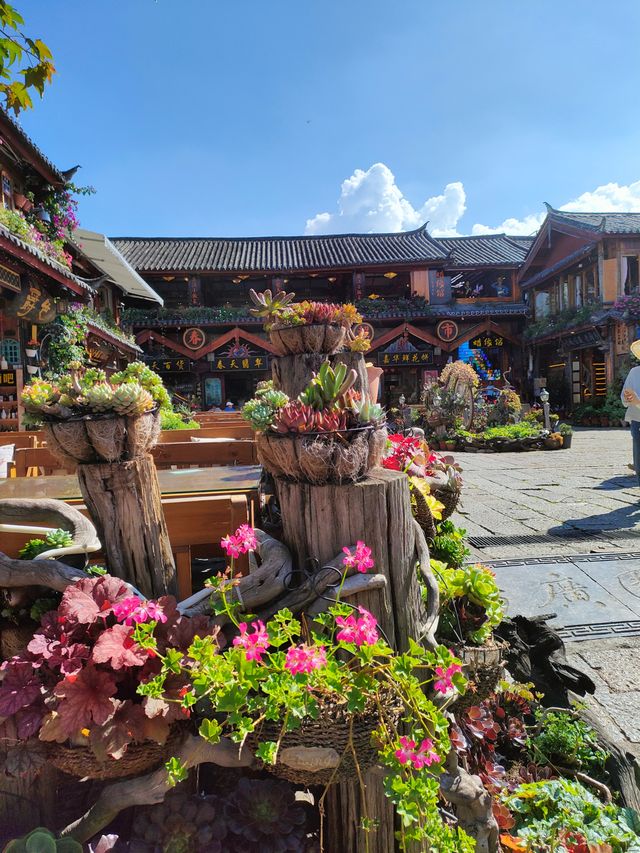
405	753
305	658
134	610
423	756
360	560
444	682
362	631
241	542
254	643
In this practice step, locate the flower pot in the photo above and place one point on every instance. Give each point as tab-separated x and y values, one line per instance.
482	665
320	458
31	353
604	421
442	445
295	340
337	729
566	441
4	364
422	513
94	439
373	375
451	445
32	369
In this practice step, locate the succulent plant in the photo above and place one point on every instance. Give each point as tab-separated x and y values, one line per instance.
181	824
131	398
300	418
38	394
100	397
41	840
360	342
269	305
320	312
259	414
262	814
139	372
328	386
367	411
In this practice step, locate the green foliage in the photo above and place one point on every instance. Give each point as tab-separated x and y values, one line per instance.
174	420
563	740
449	545
565	319
56	539
506	409
261	411
328	386
42	840
557	815
26	64
523	429
470	602
139	372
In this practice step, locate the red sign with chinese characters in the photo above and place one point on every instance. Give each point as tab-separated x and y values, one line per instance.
193	338
447	330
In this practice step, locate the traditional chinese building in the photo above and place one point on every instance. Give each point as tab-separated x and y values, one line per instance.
426	301
578	267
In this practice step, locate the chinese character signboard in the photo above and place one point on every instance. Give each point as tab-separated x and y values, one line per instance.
447	330
34	304
405	359
486	341
169	365
7	377
194	338
249	362
439	287
622	338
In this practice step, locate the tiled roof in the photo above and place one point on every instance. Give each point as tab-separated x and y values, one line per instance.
562	264
486	250
33	250
4	116
278	254
603	223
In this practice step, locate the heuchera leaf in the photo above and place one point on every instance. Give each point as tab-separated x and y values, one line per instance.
114	737
90	598
20	687
25	759
116	647
85	699
67	658
28	721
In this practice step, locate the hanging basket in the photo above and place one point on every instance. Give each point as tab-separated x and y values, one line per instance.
482	665
422	513
139	758
295	340
335	728
322	457
95	439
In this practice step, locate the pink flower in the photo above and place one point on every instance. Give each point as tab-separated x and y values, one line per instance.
361	560
242	541
425	755
256	643
405	753
305	658
134	610
444	682
361	632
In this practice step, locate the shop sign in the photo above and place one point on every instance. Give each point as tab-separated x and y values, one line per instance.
622	338
487	342
581	340
34	304
8	377
447	330
405	359
169	365
439	287
194	338
248	362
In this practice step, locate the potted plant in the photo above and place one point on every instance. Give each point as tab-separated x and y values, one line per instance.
298	327
88	419
471	606
566	432
329	434
75	687
334	684
31	349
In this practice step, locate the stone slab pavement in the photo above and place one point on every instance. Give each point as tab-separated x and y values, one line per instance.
562	532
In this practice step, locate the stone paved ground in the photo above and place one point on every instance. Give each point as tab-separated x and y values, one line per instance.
581	505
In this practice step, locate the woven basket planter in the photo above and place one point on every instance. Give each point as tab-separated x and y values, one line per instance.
102	438
295	340
335	728
321	458
15	638
422	513
139	758
484	666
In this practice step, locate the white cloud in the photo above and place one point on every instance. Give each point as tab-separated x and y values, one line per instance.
606	198
372	201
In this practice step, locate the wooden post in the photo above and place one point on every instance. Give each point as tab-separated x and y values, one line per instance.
123	500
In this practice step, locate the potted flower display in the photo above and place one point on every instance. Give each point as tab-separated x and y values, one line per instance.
299	327
329	434
88	419
566	432
334	686
470	608
75	687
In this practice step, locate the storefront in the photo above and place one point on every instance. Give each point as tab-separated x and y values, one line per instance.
233	378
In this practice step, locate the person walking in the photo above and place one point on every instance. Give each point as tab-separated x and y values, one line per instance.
630	397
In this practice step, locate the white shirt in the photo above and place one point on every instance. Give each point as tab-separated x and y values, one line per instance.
632	383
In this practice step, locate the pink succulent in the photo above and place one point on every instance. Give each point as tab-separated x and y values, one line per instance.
254	643
305	658
444	682
360	560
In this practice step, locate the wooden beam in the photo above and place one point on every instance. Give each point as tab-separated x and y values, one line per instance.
195	355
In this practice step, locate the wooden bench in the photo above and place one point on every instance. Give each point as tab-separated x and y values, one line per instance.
32	461
193	454
234	430
19	439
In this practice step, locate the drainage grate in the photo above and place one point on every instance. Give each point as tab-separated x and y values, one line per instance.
569	534
601	629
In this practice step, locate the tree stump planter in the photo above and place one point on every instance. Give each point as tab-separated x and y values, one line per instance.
293	372
322	457
295	340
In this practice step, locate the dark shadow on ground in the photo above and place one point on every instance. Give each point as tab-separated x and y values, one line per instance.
622	518
620	482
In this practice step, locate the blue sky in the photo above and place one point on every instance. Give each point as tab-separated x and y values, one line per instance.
243	117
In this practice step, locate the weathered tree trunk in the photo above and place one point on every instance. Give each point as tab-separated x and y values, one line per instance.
123	500
292	373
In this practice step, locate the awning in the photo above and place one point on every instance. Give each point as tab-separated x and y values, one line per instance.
101	251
